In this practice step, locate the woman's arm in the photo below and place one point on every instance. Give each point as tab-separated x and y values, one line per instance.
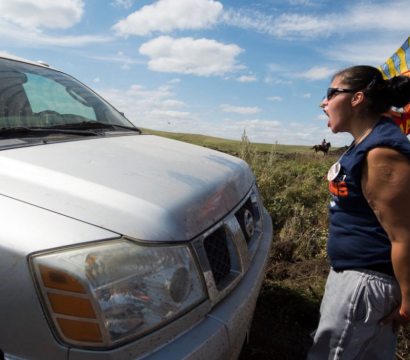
386	186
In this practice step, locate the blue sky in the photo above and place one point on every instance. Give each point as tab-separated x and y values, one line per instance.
210	67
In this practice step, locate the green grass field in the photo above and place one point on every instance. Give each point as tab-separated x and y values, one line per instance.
229	146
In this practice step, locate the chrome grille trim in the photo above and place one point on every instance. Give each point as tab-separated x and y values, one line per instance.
228	234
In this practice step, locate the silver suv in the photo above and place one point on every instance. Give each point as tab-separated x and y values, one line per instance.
115	244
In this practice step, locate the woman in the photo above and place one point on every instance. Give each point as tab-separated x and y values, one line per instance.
367	296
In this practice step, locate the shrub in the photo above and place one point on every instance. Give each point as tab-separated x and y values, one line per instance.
295	195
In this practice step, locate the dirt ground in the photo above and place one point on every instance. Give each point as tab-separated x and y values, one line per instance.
288	310
285	316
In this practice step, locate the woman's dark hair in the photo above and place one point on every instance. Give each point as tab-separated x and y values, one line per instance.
382	94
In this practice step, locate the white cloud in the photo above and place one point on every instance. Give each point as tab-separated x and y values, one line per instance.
151	109
261	124
239	109
22	22
167	15
275	67
247	78
32	14
294	124
169	120
137	87
275	98
271	80
362	16
138	98
316	73
257	130
174	104
302	2
159	93
97	80
182	115
174	81
12	34
285	26
125	61
201	57
122	3
308	95
373	52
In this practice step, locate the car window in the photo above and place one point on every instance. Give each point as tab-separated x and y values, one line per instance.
45	94
33	96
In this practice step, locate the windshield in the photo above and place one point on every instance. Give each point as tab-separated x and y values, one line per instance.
35	97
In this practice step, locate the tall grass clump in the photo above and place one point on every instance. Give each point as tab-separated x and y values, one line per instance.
295	195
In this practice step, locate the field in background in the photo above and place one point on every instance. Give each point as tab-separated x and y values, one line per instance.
290	179
229	146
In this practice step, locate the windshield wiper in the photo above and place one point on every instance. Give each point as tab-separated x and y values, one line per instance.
128	128
96	125
23	129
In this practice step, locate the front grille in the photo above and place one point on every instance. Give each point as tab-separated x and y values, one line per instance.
225	252
216	247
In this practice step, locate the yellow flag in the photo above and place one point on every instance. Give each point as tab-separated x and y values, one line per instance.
399	64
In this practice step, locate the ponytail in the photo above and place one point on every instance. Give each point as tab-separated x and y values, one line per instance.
381	94
398	91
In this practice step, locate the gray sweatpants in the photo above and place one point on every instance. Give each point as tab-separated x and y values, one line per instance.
354	302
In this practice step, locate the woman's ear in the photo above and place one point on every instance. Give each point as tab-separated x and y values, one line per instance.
358	98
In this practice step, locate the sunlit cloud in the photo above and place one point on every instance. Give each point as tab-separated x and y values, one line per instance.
370	51
247	78
275	98
201	57
357	17
239	109
12	34
294	124
276	81
126	4
125	61
32	14
167	15
316	73
174	104
174	81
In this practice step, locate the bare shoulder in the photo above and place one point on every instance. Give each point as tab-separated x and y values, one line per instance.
385	178
386	153
387	165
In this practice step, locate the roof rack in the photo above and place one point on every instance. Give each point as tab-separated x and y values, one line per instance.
43	63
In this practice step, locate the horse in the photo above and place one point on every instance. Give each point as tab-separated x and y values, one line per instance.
325	148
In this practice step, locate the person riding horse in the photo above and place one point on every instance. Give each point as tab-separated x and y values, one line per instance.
322	147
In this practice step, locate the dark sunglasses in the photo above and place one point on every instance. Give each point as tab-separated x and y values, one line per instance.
331	91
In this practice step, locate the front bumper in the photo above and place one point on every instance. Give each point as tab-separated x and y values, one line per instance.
220	333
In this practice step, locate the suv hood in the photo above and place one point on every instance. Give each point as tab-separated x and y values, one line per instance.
143	186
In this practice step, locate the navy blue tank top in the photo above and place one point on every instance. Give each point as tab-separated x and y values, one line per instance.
356	238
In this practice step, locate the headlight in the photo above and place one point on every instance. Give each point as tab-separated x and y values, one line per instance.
105	294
